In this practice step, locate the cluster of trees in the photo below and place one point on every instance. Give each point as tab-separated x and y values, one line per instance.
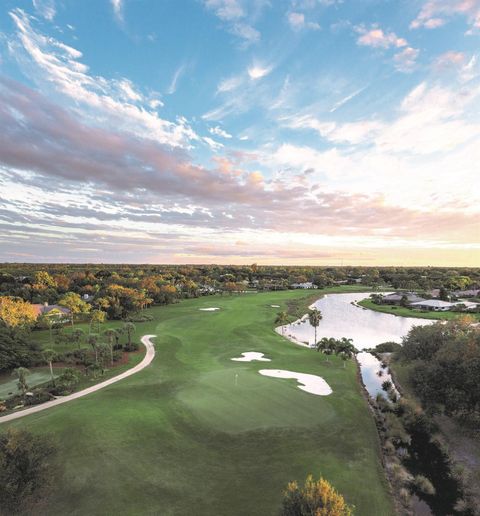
445	367
27	470
165	283
343	347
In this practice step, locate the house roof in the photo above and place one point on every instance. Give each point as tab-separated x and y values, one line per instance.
433	303
397	296
45	309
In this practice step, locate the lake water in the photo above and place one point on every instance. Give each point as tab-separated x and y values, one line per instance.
373	375
341	318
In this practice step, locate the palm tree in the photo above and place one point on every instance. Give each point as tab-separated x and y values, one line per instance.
49	355
282	319
110	334
92	340
314	317
77	335
345	349
328	346
129	328
21	373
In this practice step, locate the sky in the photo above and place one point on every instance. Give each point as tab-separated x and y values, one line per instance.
339	132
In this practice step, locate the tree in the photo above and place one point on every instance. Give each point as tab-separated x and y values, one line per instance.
75	304
16	350
92	340
129	329
78	335
49	355
21	373
97	317
315	498
26	470
327	346
16	312
345	348
282	320
111	335
314	317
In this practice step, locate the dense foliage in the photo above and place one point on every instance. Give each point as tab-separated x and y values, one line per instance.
445	371
26	470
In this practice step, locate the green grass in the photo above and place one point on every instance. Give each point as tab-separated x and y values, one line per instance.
181	438
402	311
37	376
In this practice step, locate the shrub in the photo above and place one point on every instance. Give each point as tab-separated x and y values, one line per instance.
424	485
133	346
315	497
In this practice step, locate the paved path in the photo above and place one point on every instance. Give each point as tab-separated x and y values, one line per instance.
149	355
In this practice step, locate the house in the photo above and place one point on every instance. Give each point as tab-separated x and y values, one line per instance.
306	285
52	310
396	298
475	292
433	304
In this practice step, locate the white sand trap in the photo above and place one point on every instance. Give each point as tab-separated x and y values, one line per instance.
212	309
308	382
250	356
275	306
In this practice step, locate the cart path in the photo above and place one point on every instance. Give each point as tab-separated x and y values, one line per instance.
147	359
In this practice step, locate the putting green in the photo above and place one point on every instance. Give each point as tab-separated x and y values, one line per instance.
186	436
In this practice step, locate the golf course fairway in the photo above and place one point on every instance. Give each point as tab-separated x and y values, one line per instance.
196	433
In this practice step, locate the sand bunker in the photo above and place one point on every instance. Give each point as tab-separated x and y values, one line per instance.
213	309
275	306
308	382
250	356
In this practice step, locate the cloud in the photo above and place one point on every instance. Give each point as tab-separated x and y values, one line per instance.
50	63
176	76
238	17
406	60
218	131
256	72
436	13
248	33
117	6
448	60
45	8
297	22
226	9
377	38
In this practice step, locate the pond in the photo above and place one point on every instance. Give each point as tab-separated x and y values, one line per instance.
343	318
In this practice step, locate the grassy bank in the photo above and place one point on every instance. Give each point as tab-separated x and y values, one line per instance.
409	312
184	437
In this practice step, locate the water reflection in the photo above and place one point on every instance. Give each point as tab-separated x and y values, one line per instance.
342	318
373	375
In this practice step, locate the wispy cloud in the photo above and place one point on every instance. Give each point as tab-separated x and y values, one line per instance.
218	131
436	13
256	72
298	22
172	88
52	63
45	8
238	17
377	38
117	6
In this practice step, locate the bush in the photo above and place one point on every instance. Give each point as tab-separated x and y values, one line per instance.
133	346
388	347
315	497
424	485
139	318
